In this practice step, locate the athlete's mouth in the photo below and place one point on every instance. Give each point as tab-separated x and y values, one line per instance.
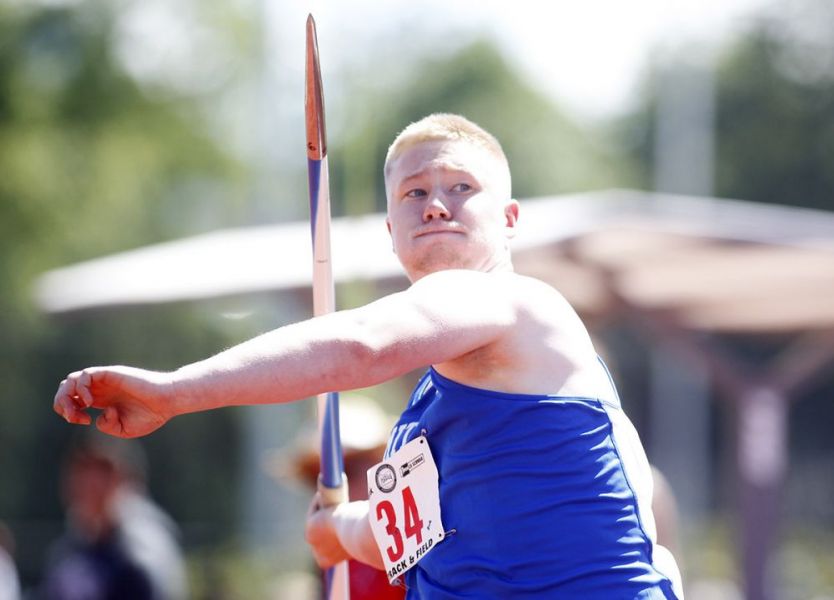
434	230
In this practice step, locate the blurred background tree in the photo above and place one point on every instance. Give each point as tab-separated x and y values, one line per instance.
774	110
775	122
89	164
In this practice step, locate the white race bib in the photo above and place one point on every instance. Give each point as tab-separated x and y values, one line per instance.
405	507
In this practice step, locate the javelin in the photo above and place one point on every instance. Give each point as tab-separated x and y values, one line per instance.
332	481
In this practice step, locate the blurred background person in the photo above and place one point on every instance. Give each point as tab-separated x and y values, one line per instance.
9	583
152	538
118	545
365	428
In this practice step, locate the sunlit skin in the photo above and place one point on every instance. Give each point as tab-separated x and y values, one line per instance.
451	217
449	207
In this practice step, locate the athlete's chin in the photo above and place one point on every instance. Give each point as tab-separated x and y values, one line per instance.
445	253
429	265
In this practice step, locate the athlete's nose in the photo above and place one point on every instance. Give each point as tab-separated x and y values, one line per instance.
436	209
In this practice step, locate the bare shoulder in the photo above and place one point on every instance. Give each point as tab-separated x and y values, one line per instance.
538	298
463	280
550	347
543	313
544	351
522	295
470	295
505	285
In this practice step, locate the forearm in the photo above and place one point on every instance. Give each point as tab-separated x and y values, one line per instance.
350	521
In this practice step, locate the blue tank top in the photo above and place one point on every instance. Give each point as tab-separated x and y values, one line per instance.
541	493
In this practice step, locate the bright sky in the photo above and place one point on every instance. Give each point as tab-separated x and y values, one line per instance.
590	56
586	54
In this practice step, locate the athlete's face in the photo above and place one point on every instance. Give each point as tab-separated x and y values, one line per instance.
449	208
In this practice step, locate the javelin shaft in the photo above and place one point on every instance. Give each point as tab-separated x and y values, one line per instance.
324	301
332	483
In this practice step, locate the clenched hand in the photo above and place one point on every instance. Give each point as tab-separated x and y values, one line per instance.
134	402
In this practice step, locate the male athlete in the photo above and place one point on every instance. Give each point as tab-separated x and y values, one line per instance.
542	485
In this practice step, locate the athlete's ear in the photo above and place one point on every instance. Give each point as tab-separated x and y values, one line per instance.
388	225
511	217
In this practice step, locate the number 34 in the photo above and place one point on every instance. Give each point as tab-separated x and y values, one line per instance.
413	524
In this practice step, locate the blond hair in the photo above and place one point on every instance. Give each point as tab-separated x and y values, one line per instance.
444	127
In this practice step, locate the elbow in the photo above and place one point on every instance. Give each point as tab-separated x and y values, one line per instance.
355	365
365	354
374	359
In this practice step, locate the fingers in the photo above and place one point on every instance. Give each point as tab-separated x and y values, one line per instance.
314	531
69	401
75	395
320	534
82	387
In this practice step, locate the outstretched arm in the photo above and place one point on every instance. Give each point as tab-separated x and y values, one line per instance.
442	316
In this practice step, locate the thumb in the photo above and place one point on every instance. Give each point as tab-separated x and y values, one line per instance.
108	421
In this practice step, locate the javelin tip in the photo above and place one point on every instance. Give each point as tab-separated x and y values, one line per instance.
314	97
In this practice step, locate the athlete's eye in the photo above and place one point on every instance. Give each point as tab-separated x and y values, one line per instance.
415	193
461	188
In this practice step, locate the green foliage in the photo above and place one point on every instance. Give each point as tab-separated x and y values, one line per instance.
548	153
774	121
775	133
90	165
